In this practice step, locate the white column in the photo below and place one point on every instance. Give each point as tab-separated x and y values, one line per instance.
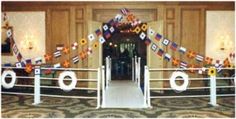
36	85
103	87
213	91
98	87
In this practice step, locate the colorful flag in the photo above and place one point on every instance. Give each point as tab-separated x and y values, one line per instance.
102	40
7	65
167	57
28	61
151	31
199	58
136	22
218	67
147	41
137	30
66	64
124	11
66	50
20	64
111	22
15	49
75	59
9	33
74	46
89	51
158	37
118	17
91	37
142	36
47	57
183	65
58	65
144	27
105	27
226	63
98	32
82	55
112	29
107	35
166	42
59	46
192	66
154	47
38	60
182	50
57	54
203	69
208	60
175	62
173	46
160	52
19	56
191	54
130	18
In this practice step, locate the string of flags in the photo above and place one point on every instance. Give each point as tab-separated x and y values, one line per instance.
109	29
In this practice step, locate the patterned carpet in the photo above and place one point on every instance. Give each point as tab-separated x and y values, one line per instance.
14	106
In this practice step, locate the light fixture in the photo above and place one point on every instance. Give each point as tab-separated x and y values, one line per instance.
225	43
28	43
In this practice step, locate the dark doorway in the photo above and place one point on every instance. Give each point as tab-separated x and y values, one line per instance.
121	47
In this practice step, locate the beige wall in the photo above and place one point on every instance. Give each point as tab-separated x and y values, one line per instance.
220	28
27	24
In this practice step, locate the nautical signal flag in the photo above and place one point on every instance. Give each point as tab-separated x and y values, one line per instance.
83	41
151	31
102	40
173	46
142	36
167	57
130	18
147	41
124	11
66	50
226	63
47	57
166	42
28	61
154	47
9	33
192	66
20	64
57	54
28	68
118	17
74	46
191	54
208	60
112	29
98	32
75	59
183	65
107	34
59	46
82	55
144	27
137	30
95	45
19	56
38	60
182	50
66	64
175	62
199	58
58	65
91	37
105	27
158	37
160	52
89	51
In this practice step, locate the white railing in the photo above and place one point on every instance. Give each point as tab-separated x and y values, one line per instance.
37	86
136	70
108	71
213	95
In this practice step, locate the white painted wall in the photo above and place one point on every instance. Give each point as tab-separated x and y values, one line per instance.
220	26
27	24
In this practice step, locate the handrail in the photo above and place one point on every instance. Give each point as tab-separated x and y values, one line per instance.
52	68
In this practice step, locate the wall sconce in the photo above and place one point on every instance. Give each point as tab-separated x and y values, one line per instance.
225	43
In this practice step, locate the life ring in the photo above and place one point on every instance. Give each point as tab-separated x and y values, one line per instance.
173	77
73	80
13	80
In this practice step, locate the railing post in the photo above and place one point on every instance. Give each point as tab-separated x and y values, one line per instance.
135	69
109	69
148	88
132	69
213	91
139	71
107	72
98	86
145	87
103	87
36	85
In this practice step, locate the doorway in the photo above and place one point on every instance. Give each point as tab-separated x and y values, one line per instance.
122	47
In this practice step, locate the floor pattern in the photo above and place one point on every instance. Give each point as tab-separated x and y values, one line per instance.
14	106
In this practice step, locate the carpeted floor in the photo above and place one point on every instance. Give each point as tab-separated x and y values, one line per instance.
14	106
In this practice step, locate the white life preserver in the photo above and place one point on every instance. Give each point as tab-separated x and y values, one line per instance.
13	80
173	77
73	80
